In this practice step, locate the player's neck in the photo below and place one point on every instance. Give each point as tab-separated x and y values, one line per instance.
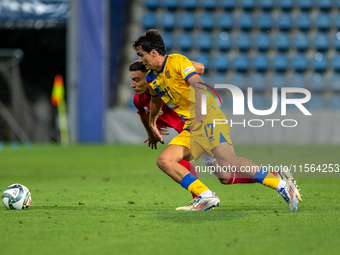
160	63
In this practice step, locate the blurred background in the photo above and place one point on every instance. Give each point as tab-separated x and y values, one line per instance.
248	43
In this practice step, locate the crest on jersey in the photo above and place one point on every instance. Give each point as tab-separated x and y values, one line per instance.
167	74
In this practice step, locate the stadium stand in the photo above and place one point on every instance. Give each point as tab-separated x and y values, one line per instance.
267	5
264	21
187	21
260	62
289	42
262	42
282	42
225	21
303	21
228	4
243	41
318	83
316	102
305	5
280	62
223	41
301	42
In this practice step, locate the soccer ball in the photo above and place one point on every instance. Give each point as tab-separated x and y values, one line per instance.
17	197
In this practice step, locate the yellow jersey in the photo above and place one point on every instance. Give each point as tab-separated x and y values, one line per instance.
172	85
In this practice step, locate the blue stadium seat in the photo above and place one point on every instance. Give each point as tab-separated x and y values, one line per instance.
298	80
336	62
280	62
221	62
284	21
168	20
262	42
190	4
204	59
209	4
325	5
218	75
206	21
334	102
286	4
300	62
264	21
187	21
171	4
282	42
316	102
151	4
335	82
258	82
319	62
323	21
337	41
318	83
223	41
204	41
226	21
241	63
278	80
305	4
149	20
239	80
301	42
303	21
243	42
267	5
321	41
228	4
168	40
337	21
258	102
245	21
248	4
185	41
260	62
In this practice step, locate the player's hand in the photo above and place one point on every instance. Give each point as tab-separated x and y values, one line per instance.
163	130
154	138
199	116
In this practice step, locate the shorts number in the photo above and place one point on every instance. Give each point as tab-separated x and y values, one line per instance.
207	127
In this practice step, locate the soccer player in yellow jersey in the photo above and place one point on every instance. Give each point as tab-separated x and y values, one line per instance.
173	80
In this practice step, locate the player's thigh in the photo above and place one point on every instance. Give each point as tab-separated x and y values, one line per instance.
173	153
225	154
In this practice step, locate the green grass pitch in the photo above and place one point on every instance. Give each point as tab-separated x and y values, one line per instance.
112	199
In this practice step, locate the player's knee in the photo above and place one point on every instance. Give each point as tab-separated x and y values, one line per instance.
163	162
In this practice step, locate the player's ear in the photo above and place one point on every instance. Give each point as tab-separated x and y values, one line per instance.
153	53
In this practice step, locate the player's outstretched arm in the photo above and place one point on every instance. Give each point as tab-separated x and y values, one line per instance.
155	107
199	67
197	83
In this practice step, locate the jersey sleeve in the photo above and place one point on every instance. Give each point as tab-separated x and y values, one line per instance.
138	105
184	67
149	77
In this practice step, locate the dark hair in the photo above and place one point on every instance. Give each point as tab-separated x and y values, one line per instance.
150	40
137	66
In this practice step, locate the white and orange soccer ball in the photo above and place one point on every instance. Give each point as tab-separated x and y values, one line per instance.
17	197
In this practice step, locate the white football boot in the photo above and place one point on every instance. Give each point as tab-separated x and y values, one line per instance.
187	207
289	194
285	174
205	203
